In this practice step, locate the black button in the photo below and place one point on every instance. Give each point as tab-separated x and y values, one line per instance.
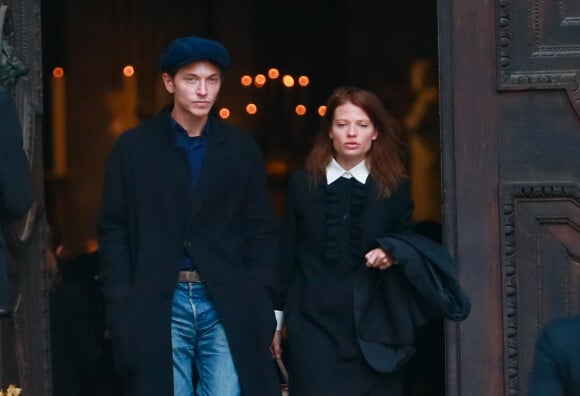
187	243
346	216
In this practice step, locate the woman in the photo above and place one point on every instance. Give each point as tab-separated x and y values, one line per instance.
350	310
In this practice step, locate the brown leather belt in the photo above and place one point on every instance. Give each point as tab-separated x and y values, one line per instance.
189	277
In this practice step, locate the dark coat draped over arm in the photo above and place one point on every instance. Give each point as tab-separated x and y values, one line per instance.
391	307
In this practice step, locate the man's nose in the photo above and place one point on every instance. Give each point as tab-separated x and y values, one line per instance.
202	88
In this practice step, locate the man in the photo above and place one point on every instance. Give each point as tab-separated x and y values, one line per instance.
16	191
556	368
188	243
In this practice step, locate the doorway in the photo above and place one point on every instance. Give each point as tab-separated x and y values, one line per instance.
87	49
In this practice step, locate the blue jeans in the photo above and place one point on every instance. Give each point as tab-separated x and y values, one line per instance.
202	362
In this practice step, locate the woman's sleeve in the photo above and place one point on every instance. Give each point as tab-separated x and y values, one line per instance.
404	207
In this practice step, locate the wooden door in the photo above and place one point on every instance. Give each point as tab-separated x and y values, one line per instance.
510	110
24	337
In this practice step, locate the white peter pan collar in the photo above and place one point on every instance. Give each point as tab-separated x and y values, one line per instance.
334	172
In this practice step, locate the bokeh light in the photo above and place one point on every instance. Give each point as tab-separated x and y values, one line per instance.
128	71
288	81
259	80
246	81
224	113
303	81
273	73
58	72
251	108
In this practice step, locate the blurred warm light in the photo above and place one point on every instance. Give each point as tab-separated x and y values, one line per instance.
288	81
58	72
275	167
128	71
251	108
92	245
300	110
321	110
259	80
224	113
246	81
273	73
303	81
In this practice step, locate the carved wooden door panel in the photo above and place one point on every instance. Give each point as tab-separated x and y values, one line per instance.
510	109
24	337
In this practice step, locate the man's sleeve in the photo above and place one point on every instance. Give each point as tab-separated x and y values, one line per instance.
545	377
260	228
113	228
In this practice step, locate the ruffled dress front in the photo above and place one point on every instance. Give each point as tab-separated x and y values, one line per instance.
323	350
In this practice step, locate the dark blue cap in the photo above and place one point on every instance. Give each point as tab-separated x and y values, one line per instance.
186	50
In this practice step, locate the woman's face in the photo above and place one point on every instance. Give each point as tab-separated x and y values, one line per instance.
352	135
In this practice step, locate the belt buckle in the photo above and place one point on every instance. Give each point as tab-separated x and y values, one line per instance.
190	277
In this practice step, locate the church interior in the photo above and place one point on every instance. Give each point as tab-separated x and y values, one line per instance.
101	77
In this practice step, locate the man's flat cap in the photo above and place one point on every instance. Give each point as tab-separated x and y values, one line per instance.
186	50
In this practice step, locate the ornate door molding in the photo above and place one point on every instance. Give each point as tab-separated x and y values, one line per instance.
25	338
539	46
541	268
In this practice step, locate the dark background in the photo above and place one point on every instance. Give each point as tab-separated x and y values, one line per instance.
369	43
366	43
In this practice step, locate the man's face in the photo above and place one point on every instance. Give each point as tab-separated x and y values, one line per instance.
195	88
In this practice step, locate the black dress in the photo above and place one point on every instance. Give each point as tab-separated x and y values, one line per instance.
324	357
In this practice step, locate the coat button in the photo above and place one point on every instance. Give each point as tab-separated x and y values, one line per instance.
187	244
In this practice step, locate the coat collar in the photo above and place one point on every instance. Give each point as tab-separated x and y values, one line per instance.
216	154
334	172
164	124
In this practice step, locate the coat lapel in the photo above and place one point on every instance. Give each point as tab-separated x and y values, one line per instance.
215	157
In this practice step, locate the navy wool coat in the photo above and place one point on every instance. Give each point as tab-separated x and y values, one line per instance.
227	225
556	366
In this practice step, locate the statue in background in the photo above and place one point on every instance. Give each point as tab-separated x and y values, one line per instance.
422	127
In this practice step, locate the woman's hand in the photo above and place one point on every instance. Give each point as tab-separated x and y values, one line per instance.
377	258
275	348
